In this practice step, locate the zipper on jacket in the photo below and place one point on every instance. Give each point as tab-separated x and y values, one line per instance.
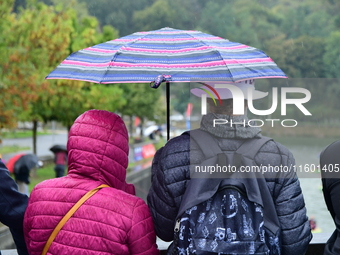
178	221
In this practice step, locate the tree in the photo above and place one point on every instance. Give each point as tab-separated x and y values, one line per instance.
187	13
25	56
71	98
157	16
180	96
251	30
309	17
217	19
39	39
117	13
68	102
298	58
331	57
8	102
143	102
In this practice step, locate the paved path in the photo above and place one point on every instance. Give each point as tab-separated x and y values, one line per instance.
44	142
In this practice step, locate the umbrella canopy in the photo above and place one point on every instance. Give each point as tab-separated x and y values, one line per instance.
167	55
11	162
58	147
179	55
28	161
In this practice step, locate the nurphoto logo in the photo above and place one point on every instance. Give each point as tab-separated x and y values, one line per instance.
240	95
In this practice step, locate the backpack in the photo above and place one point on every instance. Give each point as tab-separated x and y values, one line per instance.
230	213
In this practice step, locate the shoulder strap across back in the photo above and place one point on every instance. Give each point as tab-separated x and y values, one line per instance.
68	216
210	147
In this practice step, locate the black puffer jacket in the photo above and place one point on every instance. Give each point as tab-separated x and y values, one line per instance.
170	176
330	162
13	205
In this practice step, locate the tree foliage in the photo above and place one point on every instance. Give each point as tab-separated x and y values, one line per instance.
332	55
300	36
38	39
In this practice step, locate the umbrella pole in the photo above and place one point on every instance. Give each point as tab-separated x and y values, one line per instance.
168	110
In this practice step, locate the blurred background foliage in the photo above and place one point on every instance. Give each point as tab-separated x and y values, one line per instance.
302	37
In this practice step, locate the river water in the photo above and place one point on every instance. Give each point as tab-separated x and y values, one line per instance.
306	151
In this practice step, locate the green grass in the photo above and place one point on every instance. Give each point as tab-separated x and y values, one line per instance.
47	172
12	148
42	174
160	143
20	134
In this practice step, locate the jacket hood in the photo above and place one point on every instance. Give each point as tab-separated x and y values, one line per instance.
98	148
231	127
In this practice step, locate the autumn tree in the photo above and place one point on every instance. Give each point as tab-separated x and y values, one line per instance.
71	98
8	102
143	102
39	38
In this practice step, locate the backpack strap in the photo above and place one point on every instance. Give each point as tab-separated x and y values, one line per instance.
68	216
255	144
203	188
210	147
206	141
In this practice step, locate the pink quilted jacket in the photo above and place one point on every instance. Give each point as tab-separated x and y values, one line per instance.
113	221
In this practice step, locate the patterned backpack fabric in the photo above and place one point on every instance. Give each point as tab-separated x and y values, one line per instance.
230	215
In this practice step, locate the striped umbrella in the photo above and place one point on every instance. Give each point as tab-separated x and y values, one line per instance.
167	55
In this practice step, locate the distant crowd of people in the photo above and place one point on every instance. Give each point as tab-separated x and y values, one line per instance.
93	210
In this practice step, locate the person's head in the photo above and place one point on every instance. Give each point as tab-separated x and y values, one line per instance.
23	174
222	101
226	108
98	147
329	158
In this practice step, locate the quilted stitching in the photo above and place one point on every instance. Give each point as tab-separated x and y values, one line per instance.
171	173
113	221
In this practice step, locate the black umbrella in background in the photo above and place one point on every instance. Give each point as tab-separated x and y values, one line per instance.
58	147
27	161
24	165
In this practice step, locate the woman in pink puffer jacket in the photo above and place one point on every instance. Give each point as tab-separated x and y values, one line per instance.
112	221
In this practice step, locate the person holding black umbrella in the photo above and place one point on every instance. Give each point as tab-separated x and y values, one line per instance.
60	159
22	169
